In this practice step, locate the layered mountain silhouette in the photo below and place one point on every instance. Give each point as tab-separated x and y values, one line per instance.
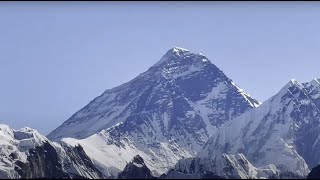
182	118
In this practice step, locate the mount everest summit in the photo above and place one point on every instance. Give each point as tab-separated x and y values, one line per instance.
182	118
165	114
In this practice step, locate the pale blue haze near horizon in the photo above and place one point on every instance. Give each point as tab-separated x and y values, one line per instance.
55	57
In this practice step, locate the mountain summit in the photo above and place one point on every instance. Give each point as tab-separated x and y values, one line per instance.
283	131
164	114
179	70
178	54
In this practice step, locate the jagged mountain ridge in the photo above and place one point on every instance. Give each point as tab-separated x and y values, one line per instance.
294	113
224	166
283	131
227	166
25	153
165	114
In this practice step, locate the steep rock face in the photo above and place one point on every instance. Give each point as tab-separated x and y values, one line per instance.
165	114
283	131
43	161
136	169
25	153
77	163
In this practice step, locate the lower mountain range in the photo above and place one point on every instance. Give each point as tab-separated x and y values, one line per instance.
182	118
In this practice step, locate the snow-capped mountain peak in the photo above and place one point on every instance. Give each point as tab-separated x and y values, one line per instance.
186	77
165	114
176	56
178	50
283	131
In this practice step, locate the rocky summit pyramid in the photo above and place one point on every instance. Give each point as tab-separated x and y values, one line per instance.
165	114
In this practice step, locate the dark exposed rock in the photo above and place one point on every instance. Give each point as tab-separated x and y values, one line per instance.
43	162
315	173
136	169
81	159
210	175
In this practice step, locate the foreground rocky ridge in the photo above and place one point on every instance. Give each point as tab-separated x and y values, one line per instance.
228	167
25	153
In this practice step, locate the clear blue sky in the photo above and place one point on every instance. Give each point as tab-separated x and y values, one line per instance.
55	57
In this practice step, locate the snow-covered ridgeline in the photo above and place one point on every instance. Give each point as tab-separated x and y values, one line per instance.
283	131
